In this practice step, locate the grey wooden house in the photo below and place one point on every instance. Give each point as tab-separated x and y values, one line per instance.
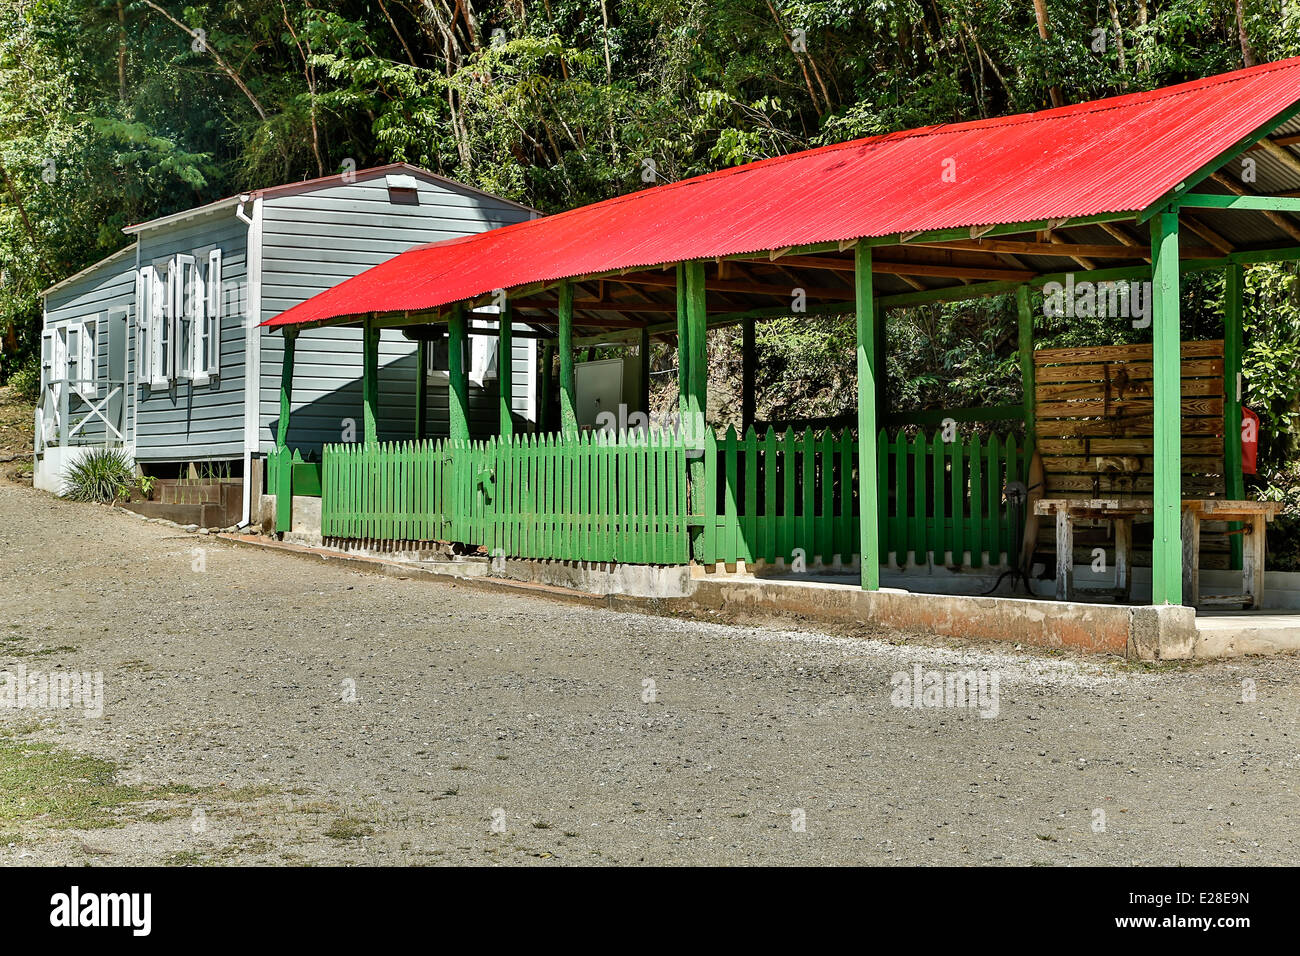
153	349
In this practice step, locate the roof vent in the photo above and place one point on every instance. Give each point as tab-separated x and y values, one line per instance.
402	190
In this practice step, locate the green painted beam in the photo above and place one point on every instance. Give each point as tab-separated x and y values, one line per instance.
457	377
1234	483
683	347
279	466
697	365
1166	546
286	389
1025	342
370	383
1266	203
421	388
505	369
868	472
568	390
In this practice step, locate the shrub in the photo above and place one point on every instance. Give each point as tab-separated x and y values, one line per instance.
103	475
26	381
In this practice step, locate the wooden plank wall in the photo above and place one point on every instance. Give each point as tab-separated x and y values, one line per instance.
1094	430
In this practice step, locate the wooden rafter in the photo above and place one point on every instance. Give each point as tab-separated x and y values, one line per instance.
1279	220
1067	250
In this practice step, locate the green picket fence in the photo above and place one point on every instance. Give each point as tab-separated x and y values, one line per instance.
777	494
594	497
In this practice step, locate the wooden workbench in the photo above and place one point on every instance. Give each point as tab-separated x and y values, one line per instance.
1123	512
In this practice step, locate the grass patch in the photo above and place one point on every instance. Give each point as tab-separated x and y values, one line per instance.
61	789
349	828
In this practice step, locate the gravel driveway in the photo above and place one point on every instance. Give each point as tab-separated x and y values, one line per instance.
275	710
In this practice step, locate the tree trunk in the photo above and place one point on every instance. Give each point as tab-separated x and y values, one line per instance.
1040	13
1247	54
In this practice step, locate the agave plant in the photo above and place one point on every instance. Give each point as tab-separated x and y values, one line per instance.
102	475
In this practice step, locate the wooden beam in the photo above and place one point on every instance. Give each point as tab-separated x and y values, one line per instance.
286	389
683	343
1243	200
505	370
457	376
1083	261
568	396
1166	546
1282	155
1208	234
868	465
901	268
1061	249
1238	190
370	383
1234	484
1025	345
751	288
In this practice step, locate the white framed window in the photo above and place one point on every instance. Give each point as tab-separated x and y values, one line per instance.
156	312
179	334
183	296
87	357
482	358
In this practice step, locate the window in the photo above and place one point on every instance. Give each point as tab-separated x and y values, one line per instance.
483	358
179	335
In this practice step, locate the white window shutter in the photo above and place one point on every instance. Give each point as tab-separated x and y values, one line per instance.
159	315
196	319
47	358
214	312
142	286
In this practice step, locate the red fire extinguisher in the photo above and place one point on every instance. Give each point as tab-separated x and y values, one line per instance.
1249	440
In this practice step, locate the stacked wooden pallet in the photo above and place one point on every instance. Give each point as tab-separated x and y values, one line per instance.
1094	429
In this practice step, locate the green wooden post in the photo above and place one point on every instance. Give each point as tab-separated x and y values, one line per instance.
868	500
505	369
1166	547
568	393
457	376
370	382
421	389
747	396
692	371
1025	339
697	349
1234	484
283	459
643	355
544	422
683	345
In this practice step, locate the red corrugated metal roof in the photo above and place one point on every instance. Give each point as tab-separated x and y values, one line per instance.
1112	155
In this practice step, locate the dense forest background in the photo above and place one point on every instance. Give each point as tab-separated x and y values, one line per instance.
117	111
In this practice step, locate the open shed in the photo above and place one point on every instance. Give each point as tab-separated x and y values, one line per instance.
1107	196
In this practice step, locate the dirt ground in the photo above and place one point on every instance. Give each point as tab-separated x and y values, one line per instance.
495	728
